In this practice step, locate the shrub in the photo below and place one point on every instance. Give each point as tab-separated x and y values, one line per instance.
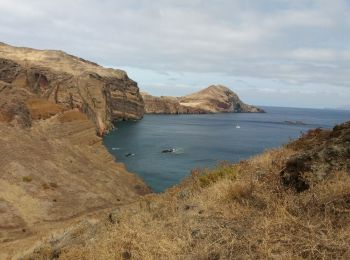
27	179
223	170
346	138
338	128
53	185
239	190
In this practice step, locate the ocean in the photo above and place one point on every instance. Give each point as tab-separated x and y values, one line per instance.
202	141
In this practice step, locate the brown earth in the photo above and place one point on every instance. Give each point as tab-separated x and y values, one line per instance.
213	99
104	95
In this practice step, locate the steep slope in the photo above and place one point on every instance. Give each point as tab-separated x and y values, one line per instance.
102	94
57	170
254	209
213	99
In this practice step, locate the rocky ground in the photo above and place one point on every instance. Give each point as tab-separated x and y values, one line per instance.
214	99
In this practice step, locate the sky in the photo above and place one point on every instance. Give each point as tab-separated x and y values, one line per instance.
270	52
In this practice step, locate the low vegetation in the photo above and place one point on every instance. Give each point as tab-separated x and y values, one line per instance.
240	211
72	115
27	179
42	108
207	177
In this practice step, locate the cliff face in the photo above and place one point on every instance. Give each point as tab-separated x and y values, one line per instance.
214	99
102	94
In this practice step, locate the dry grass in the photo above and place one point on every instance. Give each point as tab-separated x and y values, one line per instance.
5	117
72	115
235	211
207	177
42	108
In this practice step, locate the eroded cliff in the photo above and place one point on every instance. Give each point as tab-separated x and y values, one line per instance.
104	95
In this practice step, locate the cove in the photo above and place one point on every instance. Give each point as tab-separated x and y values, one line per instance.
204	140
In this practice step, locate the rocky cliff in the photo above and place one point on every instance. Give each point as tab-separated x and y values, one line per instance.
213	99
54	168
104	95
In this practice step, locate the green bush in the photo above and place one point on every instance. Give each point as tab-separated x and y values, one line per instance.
223	170
27	179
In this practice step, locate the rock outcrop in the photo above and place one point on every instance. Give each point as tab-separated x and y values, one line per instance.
104	95
214	99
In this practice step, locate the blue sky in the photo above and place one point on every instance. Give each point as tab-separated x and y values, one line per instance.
271	52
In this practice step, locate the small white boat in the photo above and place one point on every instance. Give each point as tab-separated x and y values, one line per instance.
237	126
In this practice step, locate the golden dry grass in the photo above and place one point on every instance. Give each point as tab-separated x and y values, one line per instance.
42	108
72	115
239	211
4	117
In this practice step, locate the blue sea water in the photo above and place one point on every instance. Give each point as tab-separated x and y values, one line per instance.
204	140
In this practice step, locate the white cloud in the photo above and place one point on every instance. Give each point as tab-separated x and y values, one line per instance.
299	41
327	55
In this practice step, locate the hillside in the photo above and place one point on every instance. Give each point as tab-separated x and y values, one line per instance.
287	203
213	99
54	169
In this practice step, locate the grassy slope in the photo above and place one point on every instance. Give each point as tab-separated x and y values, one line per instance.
247	210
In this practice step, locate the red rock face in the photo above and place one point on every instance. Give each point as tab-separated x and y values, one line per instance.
104	95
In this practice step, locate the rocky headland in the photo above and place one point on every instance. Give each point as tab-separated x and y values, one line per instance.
213	99
54	168
104	95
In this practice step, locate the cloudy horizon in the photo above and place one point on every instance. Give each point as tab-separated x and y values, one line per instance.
270	52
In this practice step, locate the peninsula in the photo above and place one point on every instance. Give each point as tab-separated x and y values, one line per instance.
213	99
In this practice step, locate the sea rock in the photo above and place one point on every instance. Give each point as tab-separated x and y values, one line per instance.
104	95
213	99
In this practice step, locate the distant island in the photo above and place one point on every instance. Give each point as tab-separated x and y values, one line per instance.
213	99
